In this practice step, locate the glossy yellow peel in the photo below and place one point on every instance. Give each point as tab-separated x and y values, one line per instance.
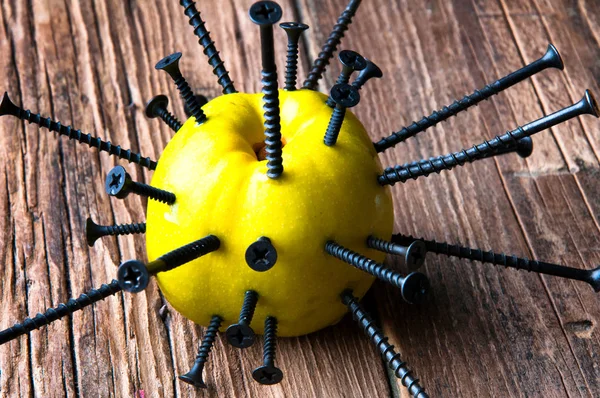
222	189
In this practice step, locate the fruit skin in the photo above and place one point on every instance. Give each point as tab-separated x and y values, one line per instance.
222	189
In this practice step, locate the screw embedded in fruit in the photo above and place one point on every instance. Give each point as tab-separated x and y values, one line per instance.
119	184
351	61
294	31
241	335
93	231
261	255
157	107
367	74
268	373
194	376
344	96
170	64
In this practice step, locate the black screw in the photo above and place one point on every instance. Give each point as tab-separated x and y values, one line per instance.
523	148
413	254
157	107
294	31
367	74
351	62
344	96
240	334
265	14
393	358
590	276
268	373
62	310
134	275
413	287
170	64
551	59
93	231
194	376
200	99
333	41
209	46
261	255
119	184
7	107
400	173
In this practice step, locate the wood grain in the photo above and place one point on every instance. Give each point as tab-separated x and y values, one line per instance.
484	332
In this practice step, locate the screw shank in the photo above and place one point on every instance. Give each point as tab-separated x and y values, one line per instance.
184	254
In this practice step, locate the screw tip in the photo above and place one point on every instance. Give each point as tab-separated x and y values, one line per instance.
7	107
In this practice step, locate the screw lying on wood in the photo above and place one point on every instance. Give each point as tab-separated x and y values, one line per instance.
268	373
333	41
265	14
294	31
367	74
551	59
351	62
170	64
93	231
589	276
413	254
134	275
194	376
209	46
523	148
7	107
261	255
241	335
399	173
344	96
62	310
393	359
157	107
119	184
413	287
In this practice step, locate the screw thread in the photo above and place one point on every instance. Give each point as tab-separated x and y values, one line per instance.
291	66
170	120
403	173
153	193
63	309
333	41
507	261
208	340
88	139
209	46
363	263
247	311
335	125
190	99
393	358
126	229
383	245
270	341
187	253
272	124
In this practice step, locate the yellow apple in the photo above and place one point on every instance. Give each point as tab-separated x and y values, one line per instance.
222	189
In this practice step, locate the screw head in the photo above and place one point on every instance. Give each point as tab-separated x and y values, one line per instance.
116	182
7	107
261	255
194	377
594	279
170	64
267	375
345	95
525	147
293	29
353	60
265	13
93	232
415	288
155	105
552	57
415	255
133	276
240	335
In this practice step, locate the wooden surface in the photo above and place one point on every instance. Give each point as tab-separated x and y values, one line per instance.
485	331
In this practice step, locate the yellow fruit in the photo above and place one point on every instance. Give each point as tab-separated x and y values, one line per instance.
222	189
